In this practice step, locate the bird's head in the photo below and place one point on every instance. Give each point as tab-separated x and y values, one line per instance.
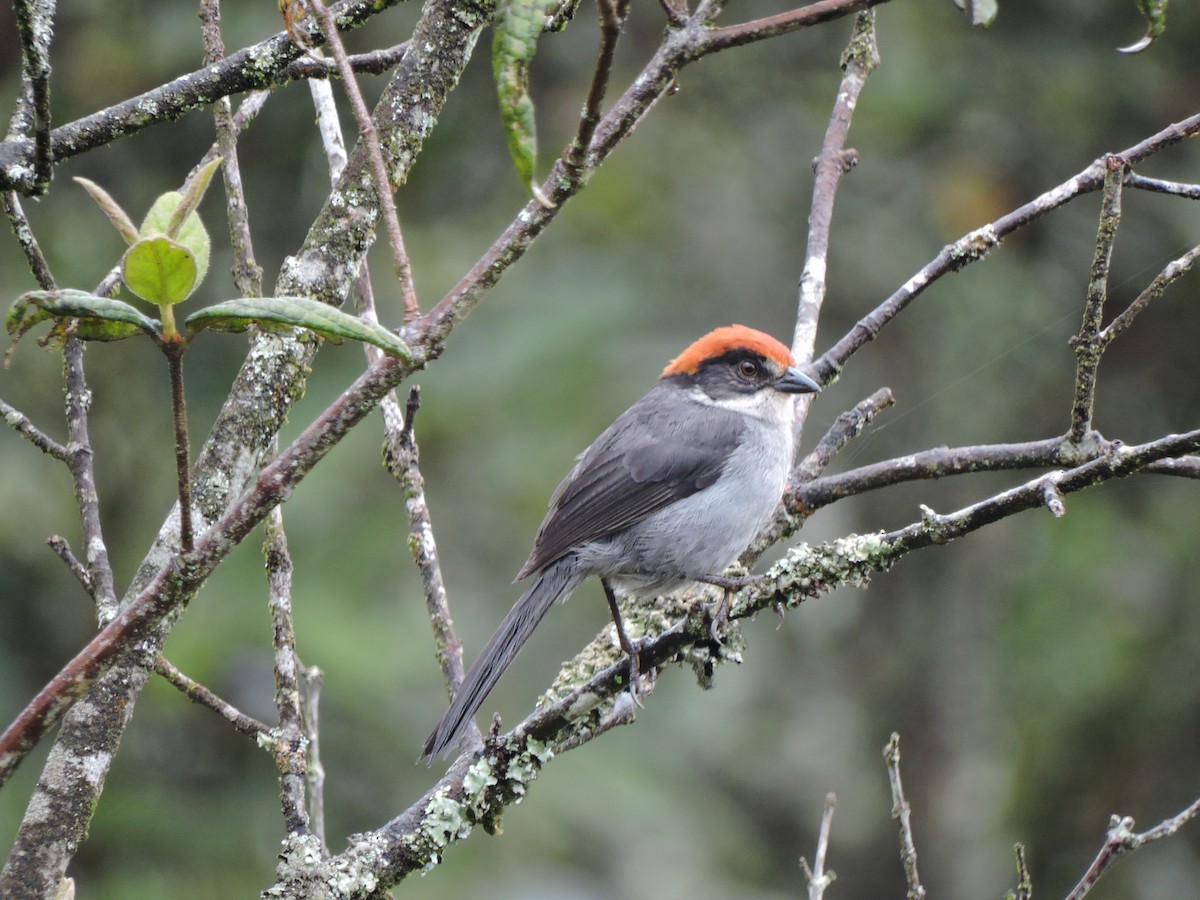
740	368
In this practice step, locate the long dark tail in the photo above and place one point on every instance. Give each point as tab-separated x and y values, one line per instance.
552	584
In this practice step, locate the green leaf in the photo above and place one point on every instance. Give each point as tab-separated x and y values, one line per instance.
193	193
160	270
97	318
1155	13
515	33
299	312
110	208
191	234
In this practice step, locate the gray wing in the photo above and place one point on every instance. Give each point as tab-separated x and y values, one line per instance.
666	455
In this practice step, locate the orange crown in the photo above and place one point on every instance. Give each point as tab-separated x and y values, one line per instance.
721	341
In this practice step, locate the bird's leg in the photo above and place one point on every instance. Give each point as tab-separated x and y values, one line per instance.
720	615
623	638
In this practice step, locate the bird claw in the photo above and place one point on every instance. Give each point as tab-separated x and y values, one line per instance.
635	674
719	615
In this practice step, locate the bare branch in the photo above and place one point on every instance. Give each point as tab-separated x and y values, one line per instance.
1087	342
257	66
22	425
902	813
844	429
1024	890
806	498
370	139
612	20
783	23
1122	839
860	58
198	693
975	245
1158	186
60	546
315	775
1153	291
29	244
586	694
291	747
247	274
818	878
375	62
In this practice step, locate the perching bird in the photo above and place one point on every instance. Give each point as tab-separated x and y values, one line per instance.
671	493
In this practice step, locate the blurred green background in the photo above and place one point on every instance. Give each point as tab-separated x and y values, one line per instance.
1043	673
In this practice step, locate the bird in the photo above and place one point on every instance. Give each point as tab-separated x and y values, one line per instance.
671	493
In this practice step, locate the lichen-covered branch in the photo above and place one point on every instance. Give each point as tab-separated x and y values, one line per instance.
31	115
1087	342
291	747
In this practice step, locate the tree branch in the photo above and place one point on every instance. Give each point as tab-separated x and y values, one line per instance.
859	59
257	66
975	245
1087	343
1122	839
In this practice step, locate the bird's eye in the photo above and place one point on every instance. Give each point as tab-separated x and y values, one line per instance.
748	369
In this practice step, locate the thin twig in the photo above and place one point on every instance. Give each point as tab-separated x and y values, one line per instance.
60	546
859	60
247	274
291	748
29	244
79	445
370	138
902	813
314	678
198	693
1024	889
1159	186
844	429
612	19
402	458
317	68
22	425
1087	343
1122	839
1153	291
818	878
784	23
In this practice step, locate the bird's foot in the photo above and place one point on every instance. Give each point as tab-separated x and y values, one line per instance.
718	615
630	646
633	649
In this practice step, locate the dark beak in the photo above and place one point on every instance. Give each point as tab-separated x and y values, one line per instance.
793	381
